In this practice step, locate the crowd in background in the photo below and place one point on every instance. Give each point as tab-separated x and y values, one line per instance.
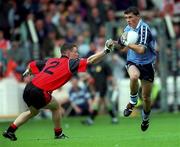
87	23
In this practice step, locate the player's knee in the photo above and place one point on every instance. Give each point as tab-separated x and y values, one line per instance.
33	113
55	107
134	77
146	99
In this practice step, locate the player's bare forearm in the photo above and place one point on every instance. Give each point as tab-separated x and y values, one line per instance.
137	48
140	49
96	57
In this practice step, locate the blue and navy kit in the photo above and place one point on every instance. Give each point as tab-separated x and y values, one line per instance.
146	39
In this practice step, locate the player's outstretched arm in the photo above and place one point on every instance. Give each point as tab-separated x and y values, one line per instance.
99	56
96	57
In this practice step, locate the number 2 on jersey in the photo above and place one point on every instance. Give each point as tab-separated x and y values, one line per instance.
48	69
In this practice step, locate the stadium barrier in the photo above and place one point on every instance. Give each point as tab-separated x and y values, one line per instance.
12	104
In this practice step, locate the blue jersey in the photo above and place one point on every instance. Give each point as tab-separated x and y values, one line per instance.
146	39
79	96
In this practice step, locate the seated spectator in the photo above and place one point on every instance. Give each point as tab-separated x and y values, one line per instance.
80	98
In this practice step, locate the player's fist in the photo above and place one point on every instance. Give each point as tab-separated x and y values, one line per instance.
130	37
109	43
123	39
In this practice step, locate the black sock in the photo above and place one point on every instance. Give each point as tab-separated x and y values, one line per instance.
147	113
57	131
93	114
112	113
12	128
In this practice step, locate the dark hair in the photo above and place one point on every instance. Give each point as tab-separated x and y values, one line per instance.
67	46
133	10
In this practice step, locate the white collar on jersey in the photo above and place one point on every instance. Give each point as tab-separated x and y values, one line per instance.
139	23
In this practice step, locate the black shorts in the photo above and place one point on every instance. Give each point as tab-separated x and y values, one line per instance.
146	70
101	89
35	97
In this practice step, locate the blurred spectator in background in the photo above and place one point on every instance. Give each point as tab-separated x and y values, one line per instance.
83	46
178	56
118	66
95	21
80	98
16	62
99	43
80	26
4	44
71	14
80	8
49	45
102	77
111	24
176	26
64	26
70	36
40	29
125	4
104	6
48	24
92	49
53	10
4	47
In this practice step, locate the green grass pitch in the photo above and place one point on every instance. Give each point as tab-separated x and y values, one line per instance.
164	131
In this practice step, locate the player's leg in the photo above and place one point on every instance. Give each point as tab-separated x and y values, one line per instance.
20	120
54	106
146	93
93	114
25	116
31	99
134	75
147	78
106	101
111	111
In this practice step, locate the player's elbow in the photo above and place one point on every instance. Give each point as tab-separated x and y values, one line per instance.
141	50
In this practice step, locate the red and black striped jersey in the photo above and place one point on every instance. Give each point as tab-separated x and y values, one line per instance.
55	72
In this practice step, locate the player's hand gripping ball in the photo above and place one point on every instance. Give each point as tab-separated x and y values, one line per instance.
130	37
109	46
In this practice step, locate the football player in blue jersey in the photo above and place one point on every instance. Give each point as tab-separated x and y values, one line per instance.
141	57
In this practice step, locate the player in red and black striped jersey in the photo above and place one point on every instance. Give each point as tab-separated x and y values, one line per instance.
50	75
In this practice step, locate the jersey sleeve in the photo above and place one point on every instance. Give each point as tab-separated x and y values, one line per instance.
82	65
36	66
78	65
